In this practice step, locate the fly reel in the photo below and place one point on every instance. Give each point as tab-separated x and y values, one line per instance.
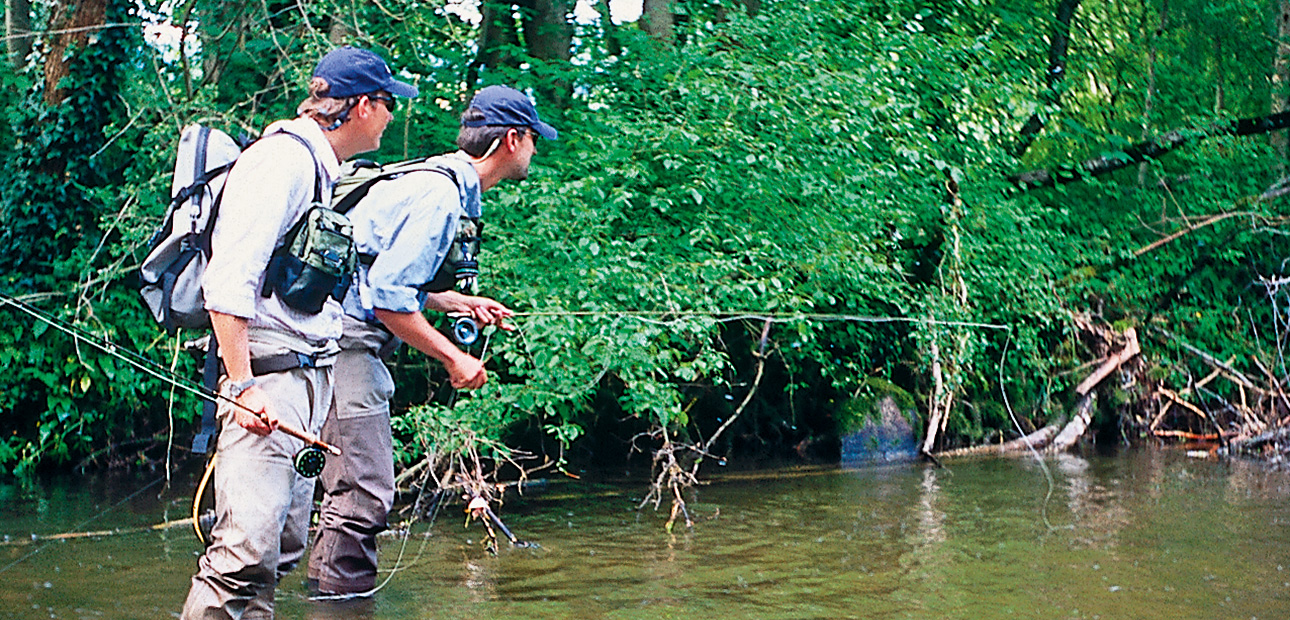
465	331
309	461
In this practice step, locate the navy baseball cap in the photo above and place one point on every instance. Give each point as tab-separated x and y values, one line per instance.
503	105
351	71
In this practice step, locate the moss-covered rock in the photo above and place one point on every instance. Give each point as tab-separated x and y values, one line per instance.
879	425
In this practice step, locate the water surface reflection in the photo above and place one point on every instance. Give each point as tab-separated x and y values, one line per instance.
1147	534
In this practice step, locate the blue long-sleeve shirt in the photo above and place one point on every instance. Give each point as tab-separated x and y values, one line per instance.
409	224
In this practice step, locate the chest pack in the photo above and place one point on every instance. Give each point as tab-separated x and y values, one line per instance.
314	260
460	268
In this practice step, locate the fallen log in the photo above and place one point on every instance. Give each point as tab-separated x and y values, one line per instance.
1077	425
1036	440
1131	348
1252	443
1084	409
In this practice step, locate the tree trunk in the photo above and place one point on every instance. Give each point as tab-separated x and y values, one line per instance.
609	30
1149	103
17	29
945	373
1281	77
1036	440
497	32
1220	94
1076	427
71	25
338	32
1060	42
657	19
548	31
549	35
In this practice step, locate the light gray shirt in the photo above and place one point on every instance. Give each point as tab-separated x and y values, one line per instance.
268	190
408	223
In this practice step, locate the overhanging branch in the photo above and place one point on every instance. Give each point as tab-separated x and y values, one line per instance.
1150	149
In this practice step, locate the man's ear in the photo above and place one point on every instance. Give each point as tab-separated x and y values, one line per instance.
513	139
364	106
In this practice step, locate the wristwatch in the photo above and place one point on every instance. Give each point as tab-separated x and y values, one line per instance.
235	388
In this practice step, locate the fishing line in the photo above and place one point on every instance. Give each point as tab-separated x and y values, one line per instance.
1043	509
724	316
407	531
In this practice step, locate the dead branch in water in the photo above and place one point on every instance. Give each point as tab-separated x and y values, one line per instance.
1051	438
671	478
459	470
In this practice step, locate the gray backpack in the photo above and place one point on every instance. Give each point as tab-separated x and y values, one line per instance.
170	277
316	260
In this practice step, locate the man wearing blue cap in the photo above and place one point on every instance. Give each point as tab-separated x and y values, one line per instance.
405	228
262	503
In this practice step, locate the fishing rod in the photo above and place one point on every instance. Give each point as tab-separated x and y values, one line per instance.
154	370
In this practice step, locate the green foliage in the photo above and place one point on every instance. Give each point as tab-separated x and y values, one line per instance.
830	158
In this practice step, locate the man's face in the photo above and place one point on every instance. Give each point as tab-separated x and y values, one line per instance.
381	112
523	154
383	105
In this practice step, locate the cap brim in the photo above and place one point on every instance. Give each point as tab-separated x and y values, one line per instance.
400	89
546	131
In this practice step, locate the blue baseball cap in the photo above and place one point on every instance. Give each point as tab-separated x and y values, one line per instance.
503	105
351	71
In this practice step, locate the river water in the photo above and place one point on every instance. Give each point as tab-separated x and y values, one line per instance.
1143	534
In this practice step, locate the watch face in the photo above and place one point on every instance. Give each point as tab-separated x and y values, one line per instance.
236	388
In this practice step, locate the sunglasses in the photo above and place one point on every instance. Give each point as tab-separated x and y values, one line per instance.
389	101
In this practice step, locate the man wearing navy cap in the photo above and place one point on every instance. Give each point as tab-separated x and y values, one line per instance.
498	140
262	504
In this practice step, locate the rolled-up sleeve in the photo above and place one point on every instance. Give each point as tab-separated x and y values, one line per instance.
414	233
270	180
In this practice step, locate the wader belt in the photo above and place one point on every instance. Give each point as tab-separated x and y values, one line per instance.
213	368
288	361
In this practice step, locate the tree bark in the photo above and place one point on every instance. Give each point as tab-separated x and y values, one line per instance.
71	25
657	19
1059	43
497	32
1150	149
17	29
548	32
1281	77
1076	427
945	373
1037	440
1149	101
337	33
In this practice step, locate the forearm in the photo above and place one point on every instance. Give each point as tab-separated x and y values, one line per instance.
253	412
483	309
448	301
413	329
234	349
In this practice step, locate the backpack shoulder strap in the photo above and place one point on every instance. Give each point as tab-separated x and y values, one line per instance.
358	193
312	155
